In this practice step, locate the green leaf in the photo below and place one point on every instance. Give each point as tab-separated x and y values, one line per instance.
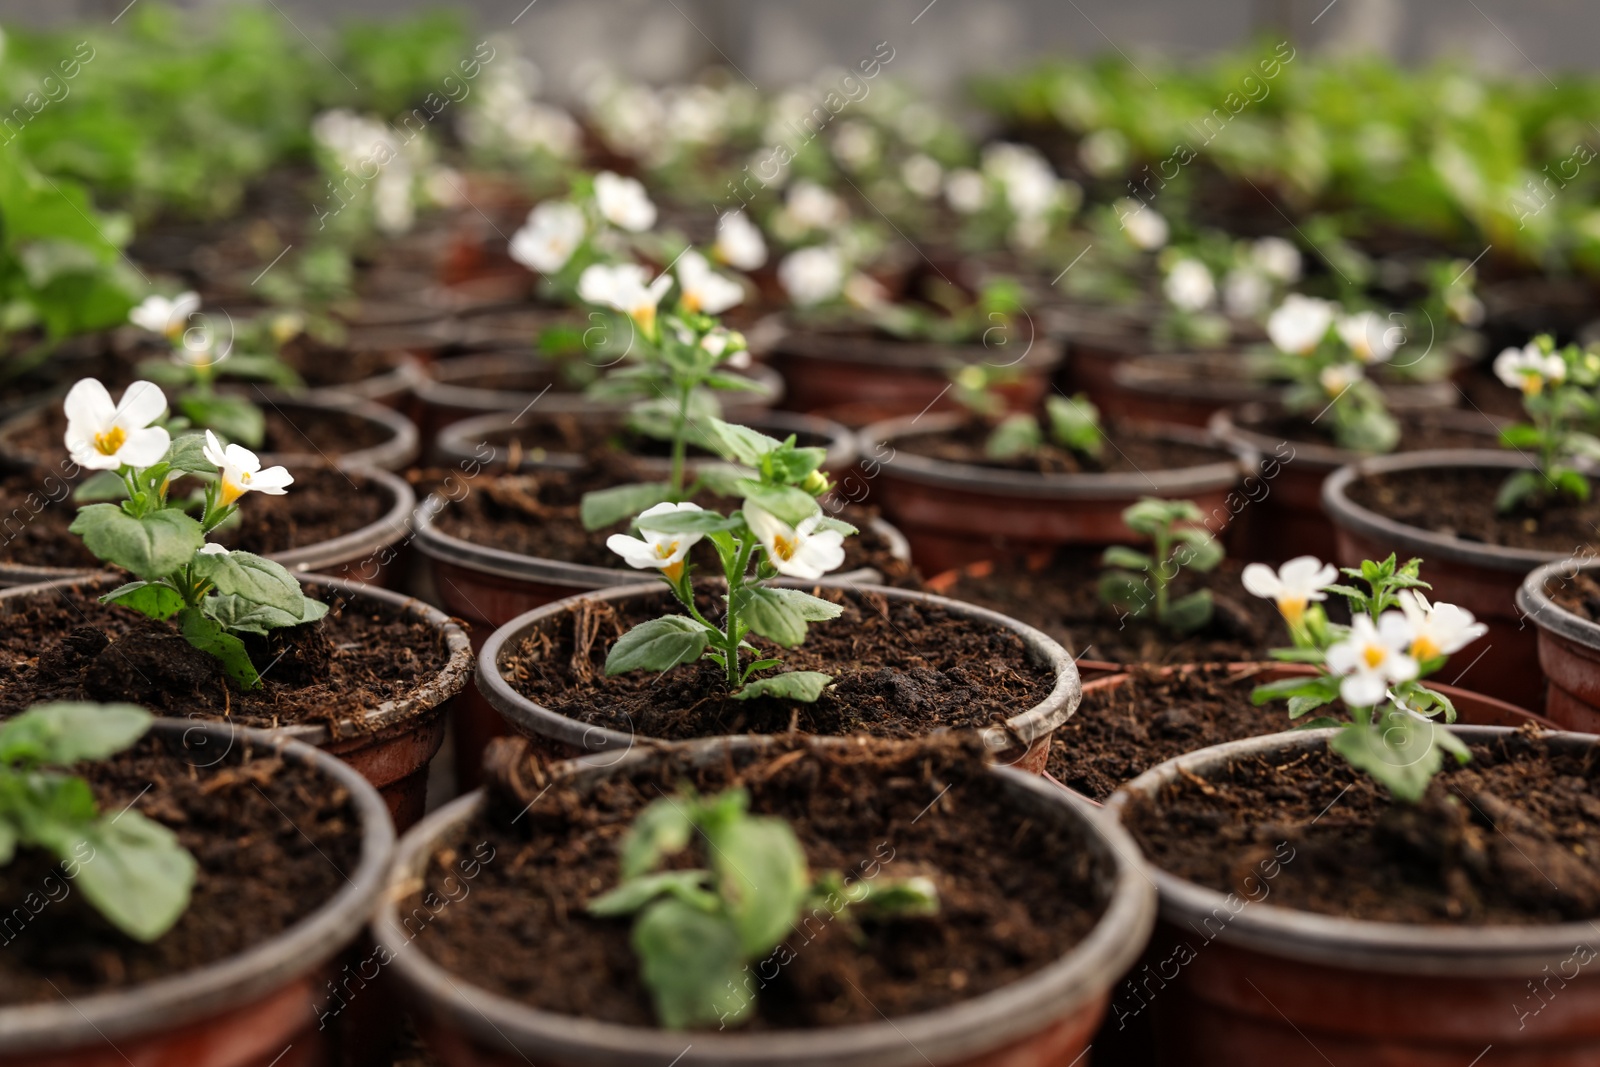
1075	424
788	465
139	877
62	733
234	417
159	544
1017	435
260	368
688	522
1521	436
1127	558
1517	488
692	964
767	613
1321	685
1302	705
761	876
150	598
803	686
740	443
1189	613
606	507
785	502
1397	750
208	636
1130	593
836	525
735	383
657	645
726	479
1198	550
250	577
243	616
187	453
101	485
662	829
808	607
633	894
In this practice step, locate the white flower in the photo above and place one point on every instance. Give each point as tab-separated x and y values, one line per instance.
166	317
1464	307
1032	188
1299	324
393	209
1369	339
241	471
811	275
624	287
547	240
1277	258
1143	224
739	242
1245	293
799	551
1530	369
1189	285
212	549
1339	377
664	552
966	191
1104	152
103	436
1372	658
1293	587
811	207
922	175
855	146
717	341
703	289
623	202
865	292
1438	629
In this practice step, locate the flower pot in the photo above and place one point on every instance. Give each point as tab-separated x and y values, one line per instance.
510	326
1569	645
242	1010
958	513
1271	984
1025	735
1289	521
858	379
363	554
1046	1016
1482	578
388	744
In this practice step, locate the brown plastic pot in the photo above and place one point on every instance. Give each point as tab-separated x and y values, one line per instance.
1569	647
1484	579
389	745
857	379
1270	985
958	513
1289	521
241	1011
1028	731
1047	1017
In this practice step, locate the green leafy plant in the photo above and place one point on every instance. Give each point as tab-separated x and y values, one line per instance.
697	930
1072	423
952	317
132	869
1139	583
1325	355
780	530
1557	388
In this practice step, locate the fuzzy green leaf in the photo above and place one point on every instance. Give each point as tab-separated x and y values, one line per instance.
606	507
761	877
61	734
250	577
208	636
803	686
657	645
692	964
662	829
140	877
151	547
149	598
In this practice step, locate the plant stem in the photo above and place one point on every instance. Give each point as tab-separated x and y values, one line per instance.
1163	539
680	438
736	583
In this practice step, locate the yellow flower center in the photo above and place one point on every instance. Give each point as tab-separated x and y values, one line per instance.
673	571
665	549
690	301
1374	655
1532	384
233	490
107	443
645	316
783	547
1425	648
1292	608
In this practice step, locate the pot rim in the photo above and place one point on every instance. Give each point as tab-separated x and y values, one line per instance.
450	679
962	1029
1536	604
888	353
397	381
401	448
1347	513
1150	375
1230	424
995	481
1055	708
169	1002
1364	944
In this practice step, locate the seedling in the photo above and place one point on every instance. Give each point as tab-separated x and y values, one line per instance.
132	869
1139	583
1072	423
1326	356
1373	666
212	594
697	930
1557	393
780	530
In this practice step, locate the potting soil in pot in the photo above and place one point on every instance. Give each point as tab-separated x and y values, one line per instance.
1127	449
1579	595
1459	502
1015	893
1419	430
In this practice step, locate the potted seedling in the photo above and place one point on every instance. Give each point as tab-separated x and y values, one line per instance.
1486	519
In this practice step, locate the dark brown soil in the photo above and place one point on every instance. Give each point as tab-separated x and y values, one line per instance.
1062	598
321	505
322	365
1513	837
1015	893
1121	731
274	841
1459	502
899	669
1579	595
1126	450
69	646
594	439
1419	431
538	514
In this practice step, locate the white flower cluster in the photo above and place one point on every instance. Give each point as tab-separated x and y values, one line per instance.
800	551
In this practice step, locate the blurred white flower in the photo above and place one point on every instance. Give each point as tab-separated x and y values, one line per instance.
703	289
165	317
1278	259
1031	186
811	207
623	202
739	242
811	275
1245	293
855	145
796	551
922	175
1369	336
1299	324
1438	629
1104	153
102	435
625	288
1143	224
1293	586
1189	285
966	191
865	292
1372	658
1339	377
549	237
1529	368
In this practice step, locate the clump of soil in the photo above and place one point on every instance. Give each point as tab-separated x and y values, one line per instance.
1061	596
1459	502
1510	838
1016	892
1579	595
1119	732
1127	449
1419	430
900	669
321	365
66	645
275	841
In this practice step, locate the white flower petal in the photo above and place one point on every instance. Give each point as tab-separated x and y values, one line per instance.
272	481
144	447
1259	581
1364	689
142	403
89	404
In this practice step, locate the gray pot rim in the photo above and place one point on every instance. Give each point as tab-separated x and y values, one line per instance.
996	481
1025	727
396	382
236	981
963	1029
887	353
454	441
450	680
1347	513
393	454
1364	944
1229	424
1535	604
438	389
1144	375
